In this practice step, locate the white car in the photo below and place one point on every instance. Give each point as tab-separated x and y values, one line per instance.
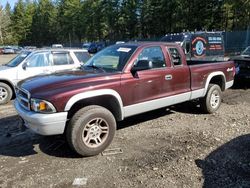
57	46
8	50
32	63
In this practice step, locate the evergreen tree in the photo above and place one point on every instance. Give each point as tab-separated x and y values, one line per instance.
30	8
18	22
129	19
111	13
5	25
44	31
70	20
44	22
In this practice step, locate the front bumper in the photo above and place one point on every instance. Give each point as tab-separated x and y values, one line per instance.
43	124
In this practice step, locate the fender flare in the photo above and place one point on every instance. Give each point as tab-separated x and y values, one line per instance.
8	81
210	76
94	93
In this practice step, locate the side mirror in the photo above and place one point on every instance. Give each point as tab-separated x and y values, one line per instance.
24	65
141	65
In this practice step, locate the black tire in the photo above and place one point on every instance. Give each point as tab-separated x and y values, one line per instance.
5	93
79	130
212	100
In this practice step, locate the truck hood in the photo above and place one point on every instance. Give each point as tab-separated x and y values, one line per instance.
49	86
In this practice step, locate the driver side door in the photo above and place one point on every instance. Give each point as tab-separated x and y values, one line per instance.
146	85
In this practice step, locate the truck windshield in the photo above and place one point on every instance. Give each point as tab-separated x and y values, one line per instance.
111	59
18	59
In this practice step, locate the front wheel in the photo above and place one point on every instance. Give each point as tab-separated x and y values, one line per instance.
91	130
5	93
212	101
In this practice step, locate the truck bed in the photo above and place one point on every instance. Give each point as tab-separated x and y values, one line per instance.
200	70
200	62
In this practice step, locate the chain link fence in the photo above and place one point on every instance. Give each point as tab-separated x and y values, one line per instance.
236	41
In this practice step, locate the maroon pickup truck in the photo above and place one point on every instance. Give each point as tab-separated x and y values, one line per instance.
120	81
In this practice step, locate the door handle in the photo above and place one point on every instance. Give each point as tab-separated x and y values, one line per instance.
168	77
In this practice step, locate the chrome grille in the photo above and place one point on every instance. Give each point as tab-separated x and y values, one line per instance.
23	97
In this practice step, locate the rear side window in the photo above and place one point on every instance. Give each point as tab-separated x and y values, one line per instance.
175	56
38	60
82	57
62	59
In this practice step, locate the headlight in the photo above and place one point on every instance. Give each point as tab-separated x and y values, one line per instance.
42	106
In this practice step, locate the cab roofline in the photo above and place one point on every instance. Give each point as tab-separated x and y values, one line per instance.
145	43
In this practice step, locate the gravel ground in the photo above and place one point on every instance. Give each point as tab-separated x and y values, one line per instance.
6	58
173	147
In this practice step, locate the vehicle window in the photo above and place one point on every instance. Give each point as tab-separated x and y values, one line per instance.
175	56
18	59
187	48
57	46
110	61
62	59
112	58
82	57
38	60
154	55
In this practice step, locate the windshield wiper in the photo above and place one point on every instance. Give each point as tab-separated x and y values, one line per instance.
95	67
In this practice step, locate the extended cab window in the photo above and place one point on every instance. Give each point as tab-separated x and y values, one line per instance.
38	60
175	56
154	55
62	59
187	47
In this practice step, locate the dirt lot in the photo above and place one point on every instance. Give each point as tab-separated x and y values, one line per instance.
174	147
6	58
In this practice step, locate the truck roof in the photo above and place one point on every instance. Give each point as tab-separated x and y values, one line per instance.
146	43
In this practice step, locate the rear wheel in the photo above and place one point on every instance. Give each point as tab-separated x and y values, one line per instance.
212	101
91	130
5	93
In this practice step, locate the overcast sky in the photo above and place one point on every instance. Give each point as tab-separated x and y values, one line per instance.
11	2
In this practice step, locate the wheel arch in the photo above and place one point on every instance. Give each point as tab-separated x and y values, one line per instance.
218	78
106	98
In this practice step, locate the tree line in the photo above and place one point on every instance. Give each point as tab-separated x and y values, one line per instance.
43	22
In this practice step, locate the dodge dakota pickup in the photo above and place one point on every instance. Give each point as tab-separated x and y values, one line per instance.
120	81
